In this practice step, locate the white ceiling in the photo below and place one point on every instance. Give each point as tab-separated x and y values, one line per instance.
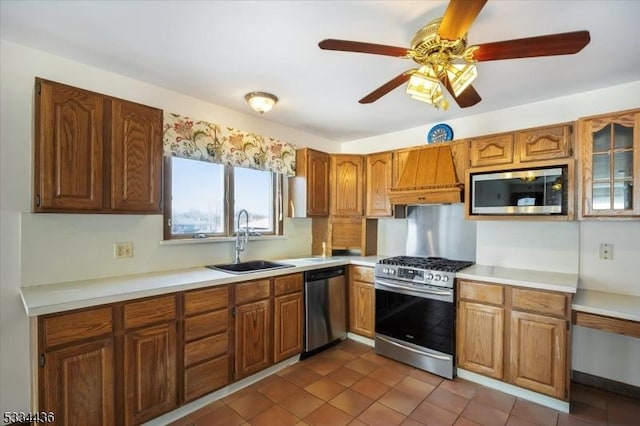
219	50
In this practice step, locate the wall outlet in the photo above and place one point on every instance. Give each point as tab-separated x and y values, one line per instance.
123	250
606	251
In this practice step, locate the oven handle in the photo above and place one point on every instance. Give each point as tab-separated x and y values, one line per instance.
419	290
440	357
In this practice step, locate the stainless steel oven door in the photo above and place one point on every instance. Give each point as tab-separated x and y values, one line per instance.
416	325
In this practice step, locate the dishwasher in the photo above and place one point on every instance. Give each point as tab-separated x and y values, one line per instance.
325	308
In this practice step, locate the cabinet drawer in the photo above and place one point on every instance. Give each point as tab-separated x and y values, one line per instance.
206	300
287	284
539	301
253	290
206	378
209	347
149	311
77	326
206	324
480	292
362	273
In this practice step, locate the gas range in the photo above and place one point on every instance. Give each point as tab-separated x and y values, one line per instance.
433	271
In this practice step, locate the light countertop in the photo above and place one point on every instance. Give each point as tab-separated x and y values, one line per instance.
614	305
58	297
556	281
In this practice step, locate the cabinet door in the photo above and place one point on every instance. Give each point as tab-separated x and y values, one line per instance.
538	353
317	183
287	337
545	143
362	308
491	150
136	157
79	384
347	185
253	338
480	338
150	372
378	178
68	160
610	165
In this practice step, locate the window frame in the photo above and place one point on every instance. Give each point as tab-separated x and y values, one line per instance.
229	200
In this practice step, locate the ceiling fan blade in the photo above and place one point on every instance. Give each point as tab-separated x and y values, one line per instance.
458	17
469	97
362	47
547	45
387	87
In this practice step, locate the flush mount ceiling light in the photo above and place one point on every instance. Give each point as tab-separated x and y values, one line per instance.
261	101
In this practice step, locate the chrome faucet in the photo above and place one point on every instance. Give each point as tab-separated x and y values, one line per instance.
241	243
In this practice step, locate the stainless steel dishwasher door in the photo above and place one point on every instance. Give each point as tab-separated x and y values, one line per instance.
325	307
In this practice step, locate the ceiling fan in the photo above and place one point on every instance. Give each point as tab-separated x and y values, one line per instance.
440	49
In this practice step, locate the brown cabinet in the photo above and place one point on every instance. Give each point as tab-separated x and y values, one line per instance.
94	153
480	334
514	334
206	341
361	301
150	358
518	148
253	327
347	185
610	165
77	367
378	181
288	317
309	189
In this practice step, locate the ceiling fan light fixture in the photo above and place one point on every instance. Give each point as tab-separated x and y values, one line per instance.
261	102
461	76
424	86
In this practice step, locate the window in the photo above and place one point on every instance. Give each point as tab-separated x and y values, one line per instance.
202	200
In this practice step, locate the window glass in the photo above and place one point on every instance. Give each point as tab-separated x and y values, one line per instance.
197	197
254	191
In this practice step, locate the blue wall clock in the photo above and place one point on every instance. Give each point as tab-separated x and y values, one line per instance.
440	133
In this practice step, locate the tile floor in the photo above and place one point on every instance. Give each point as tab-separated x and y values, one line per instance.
351	384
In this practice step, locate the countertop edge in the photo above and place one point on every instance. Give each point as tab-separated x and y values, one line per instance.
600	303
542	280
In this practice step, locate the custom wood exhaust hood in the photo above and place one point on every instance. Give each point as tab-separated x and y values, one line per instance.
424	175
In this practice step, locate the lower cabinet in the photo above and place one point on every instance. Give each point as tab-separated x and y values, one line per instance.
129	362
150	358
517	335
79	384
361	301
288	311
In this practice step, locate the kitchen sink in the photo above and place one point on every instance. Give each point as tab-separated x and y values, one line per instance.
250	266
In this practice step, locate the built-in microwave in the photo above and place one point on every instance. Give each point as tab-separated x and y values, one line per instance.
520	192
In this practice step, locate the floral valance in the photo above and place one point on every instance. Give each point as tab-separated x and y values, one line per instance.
204	141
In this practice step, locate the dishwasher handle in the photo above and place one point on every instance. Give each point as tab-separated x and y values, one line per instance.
323	274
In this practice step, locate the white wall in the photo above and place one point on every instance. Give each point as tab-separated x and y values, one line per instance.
46	248
562	247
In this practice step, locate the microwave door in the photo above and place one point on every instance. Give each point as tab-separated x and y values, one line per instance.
538	191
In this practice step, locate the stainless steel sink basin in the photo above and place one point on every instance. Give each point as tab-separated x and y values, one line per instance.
248	267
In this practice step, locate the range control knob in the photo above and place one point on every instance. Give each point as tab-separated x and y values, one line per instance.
430	276
392	271
385	270
445	278
438	277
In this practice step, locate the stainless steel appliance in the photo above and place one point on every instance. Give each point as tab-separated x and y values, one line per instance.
325	308
520	192
415	311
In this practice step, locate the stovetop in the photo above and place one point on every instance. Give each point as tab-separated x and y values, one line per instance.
427	263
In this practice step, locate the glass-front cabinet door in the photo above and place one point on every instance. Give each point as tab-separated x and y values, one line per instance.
610	164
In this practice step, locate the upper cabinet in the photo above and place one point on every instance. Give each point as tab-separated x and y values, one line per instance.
94	153
536	144
347	186
610	165
378	180
309	189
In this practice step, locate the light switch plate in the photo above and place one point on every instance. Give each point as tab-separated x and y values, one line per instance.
606	251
